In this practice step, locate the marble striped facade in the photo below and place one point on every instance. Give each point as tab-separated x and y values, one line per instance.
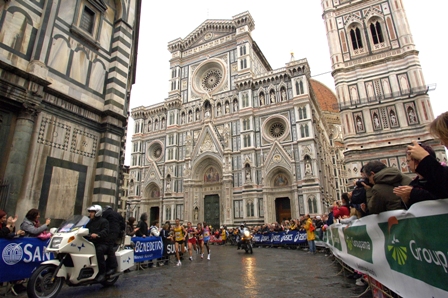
69	87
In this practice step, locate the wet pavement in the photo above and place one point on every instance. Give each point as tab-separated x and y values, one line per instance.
268	272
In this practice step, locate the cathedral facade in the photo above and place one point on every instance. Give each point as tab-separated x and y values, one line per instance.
382	95
66	71
235	140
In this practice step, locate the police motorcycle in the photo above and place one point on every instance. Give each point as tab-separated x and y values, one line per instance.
246	241
74	260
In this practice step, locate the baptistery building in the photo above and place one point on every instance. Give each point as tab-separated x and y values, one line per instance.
235	140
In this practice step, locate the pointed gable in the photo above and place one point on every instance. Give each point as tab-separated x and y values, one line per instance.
278	157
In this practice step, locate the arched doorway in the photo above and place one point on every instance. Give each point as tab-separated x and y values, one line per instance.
154	215
282	209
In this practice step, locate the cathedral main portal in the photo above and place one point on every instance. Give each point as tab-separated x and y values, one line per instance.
211	210
282	209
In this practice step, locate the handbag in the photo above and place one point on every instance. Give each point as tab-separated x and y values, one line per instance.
44	235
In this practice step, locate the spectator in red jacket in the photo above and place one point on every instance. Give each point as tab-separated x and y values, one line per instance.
341	210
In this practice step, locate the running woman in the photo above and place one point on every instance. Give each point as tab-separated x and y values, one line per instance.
200	238
191	234
179	238
206	233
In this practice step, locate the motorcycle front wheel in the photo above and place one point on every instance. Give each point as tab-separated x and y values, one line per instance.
40	284
109	281
251	250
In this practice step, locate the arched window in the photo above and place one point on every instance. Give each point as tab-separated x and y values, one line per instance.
377	33
355	36
299	87
310	205
314	205
250	209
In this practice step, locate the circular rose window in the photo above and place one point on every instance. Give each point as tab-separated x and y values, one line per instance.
211	79
155	151
209	76
275	127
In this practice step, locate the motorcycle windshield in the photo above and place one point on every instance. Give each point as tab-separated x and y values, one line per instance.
73	223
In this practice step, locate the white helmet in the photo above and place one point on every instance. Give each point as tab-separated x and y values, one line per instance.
98	210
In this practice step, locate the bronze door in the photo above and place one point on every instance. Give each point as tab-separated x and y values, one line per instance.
211	210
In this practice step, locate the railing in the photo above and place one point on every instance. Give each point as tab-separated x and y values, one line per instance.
378	98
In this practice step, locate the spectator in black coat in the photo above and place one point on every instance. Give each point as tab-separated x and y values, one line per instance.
143	226
117	224
429	167
418	189
116	231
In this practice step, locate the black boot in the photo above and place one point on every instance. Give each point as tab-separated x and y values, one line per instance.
100	277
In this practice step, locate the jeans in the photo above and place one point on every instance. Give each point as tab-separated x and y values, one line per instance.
312	245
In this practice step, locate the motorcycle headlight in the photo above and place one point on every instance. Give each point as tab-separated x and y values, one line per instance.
55	241
246	233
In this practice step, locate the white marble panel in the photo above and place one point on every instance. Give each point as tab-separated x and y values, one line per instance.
62	194
67	11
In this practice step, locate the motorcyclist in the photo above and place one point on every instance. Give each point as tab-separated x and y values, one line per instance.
240	235
98	232
116	231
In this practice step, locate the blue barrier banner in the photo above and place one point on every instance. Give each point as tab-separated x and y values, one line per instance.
21	256
280	238
148	248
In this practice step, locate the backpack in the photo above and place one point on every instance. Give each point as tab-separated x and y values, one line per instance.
312	227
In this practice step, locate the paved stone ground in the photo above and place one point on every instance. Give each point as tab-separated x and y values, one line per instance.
269	272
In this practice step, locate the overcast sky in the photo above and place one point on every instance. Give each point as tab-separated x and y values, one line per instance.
281	27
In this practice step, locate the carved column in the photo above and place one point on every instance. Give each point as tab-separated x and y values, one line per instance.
18	155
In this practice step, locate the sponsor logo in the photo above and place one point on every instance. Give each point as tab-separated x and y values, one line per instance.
417	252
275	238
300	237
265	238
287	237
12	253
142	247
358	242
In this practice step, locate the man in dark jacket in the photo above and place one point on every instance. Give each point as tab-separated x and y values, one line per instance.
383	179
116	230
143	226
98	231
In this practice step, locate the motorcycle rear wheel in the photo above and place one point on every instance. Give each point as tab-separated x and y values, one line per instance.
40	285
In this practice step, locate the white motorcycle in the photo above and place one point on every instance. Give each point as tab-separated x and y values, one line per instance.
74	261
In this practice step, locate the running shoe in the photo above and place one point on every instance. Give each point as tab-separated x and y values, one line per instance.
208	257
179	263
202	256
190	258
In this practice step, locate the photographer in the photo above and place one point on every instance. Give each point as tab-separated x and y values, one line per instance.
360	194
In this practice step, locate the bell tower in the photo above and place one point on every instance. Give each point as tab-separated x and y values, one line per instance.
382	94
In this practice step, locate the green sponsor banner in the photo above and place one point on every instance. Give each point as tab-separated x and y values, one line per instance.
358	243
414	247
334	239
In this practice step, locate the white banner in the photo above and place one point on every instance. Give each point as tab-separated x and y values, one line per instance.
407	251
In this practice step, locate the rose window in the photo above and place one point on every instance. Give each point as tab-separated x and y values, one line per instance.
155	151
211	79
277	129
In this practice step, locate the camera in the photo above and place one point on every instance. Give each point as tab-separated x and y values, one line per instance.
360	181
